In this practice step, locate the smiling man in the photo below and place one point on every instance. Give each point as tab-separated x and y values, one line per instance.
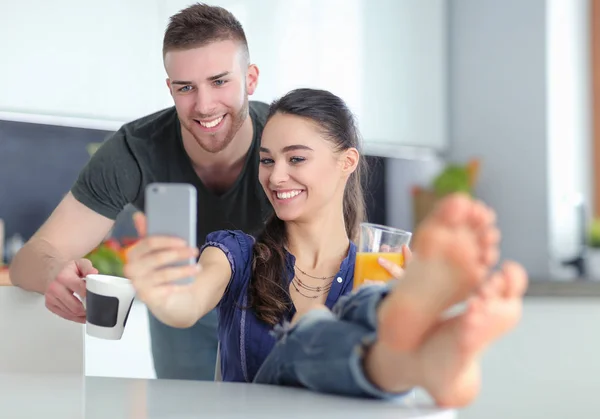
210	139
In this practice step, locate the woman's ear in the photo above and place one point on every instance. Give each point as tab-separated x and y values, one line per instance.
350	160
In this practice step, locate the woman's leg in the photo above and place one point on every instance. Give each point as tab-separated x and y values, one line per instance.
322	353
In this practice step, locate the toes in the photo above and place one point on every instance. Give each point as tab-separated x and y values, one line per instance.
494	287
462	252
478	218
453	210
482	216
430	239
459	209
490	236
490	256
516	279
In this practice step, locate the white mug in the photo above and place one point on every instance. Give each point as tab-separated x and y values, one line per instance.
108	302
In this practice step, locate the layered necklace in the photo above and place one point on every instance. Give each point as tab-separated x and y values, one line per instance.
315	292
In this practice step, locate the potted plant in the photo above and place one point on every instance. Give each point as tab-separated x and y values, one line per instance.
454	178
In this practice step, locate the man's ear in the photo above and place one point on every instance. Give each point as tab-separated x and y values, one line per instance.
252	79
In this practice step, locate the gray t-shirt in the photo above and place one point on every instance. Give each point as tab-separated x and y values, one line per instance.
150	149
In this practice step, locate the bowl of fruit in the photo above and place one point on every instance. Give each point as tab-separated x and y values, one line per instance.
111	255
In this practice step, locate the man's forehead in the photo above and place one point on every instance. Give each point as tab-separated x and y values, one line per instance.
209	58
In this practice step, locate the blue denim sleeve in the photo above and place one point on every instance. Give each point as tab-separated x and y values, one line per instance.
237	246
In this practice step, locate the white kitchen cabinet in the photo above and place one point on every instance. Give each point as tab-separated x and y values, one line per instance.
103	61
79	59
129	357
34	340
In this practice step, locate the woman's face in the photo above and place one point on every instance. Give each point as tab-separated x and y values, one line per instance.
299	169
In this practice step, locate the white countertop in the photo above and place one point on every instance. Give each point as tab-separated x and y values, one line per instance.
55	396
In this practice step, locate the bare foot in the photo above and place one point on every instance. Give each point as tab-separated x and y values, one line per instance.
449	357
454	249
447	363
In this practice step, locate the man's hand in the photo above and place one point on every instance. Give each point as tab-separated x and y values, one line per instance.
59	294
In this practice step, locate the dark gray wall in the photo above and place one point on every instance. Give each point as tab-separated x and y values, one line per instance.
38	165
498	108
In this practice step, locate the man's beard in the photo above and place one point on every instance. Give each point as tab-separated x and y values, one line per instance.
210	143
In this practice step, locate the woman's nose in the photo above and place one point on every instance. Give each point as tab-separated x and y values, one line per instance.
279	173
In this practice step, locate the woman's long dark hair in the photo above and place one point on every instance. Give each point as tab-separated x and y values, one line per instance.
269	296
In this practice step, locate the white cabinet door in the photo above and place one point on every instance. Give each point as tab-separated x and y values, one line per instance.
34	340
68	58
404	73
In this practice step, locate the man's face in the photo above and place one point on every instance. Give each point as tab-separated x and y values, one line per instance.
210	86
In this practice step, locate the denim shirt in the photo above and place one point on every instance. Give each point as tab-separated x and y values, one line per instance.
245	341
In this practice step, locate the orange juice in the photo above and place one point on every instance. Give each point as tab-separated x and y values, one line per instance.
368	268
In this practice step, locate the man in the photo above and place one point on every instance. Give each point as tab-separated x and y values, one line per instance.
210	138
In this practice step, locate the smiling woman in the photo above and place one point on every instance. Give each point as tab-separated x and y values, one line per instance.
311	165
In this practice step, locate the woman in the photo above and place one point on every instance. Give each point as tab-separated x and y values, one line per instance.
301	265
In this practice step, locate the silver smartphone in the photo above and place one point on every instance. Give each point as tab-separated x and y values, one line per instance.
171	211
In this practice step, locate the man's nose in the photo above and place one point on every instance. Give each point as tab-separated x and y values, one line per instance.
205	106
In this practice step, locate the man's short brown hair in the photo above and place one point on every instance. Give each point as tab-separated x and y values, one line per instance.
201	24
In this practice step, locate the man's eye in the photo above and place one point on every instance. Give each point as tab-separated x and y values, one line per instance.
185	88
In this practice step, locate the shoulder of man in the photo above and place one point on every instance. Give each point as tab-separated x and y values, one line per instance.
113	176
260	110
154	125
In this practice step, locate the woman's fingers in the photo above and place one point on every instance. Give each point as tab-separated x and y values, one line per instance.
168	275
407	254
394	270
145	262
154	244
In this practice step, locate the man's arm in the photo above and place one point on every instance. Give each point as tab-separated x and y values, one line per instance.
51	262
71	231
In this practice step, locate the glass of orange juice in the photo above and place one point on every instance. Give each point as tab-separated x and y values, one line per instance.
377	241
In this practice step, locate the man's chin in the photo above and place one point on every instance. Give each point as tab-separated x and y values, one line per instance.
212	145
